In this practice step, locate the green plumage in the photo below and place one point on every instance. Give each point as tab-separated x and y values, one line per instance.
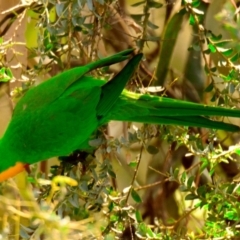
59	116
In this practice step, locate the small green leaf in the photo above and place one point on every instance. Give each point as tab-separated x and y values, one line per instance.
234	58
74	201
209	88
190	181
237	151
60	7
183	188
90	5
225	78
5	74
31	180
223	43
89	26
150	233
153	4
137	17
199	204
230	188
49	46
133	164
151	25
136	196
83	186
114	218
216	38
201	191
176	172
212	171
204	164
138	216
212	48
9	73
183	177
207	51
231	215
152	150
214	97
195	3
206	69
153	38
191	20
191	197
23	233
213	69
111	173
227	52
231	88
111	206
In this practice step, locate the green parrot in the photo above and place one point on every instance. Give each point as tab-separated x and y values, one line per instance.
58	116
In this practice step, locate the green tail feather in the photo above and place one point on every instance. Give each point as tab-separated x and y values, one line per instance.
173	107
159	110
189	121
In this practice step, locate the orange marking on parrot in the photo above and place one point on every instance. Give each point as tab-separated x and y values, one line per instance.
12	171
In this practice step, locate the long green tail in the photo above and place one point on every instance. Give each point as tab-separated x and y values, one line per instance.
160	110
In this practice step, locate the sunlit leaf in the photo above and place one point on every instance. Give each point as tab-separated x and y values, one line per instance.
212	48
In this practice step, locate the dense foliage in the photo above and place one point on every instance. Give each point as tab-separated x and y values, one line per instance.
141	181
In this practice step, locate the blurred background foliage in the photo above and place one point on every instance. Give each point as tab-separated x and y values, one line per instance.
143	181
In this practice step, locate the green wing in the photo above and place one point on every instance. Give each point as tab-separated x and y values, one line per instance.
51	90
113	89
55	129
44	127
